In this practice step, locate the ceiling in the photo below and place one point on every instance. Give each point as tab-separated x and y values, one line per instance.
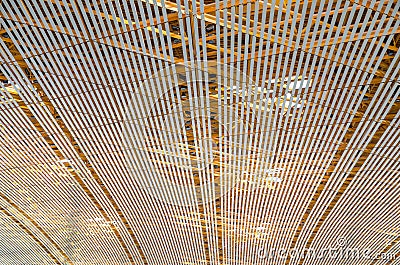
199	132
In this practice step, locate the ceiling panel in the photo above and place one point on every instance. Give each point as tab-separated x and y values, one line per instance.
199	132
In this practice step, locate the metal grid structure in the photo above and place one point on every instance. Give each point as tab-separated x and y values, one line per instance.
198	132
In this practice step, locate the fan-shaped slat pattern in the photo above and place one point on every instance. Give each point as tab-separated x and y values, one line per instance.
199	132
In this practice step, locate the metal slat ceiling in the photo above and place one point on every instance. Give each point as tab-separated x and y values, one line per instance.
199	132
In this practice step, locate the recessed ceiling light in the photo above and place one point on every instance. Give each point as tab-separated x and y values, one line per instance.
262	90
300	84
231	88
273	179
274	170
64	161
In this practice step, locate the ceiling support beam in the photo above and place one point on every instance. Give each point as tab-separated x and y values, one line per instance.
32	235
36	225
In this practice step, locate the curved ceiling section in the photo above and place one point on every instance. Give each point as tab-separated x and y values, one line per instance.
160	132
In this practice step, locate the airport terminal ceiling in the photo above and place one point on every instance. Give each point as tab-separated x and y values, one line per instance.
156	132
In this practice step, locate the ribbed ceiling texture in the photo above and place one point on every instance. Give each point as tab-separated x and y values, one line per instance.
183	132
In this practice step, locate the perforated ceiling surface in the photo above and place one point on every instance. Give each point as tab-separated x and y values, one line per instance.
199	132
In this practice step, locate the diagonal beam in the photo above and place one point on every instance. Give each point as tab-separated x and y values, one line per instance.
37	226
31	234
